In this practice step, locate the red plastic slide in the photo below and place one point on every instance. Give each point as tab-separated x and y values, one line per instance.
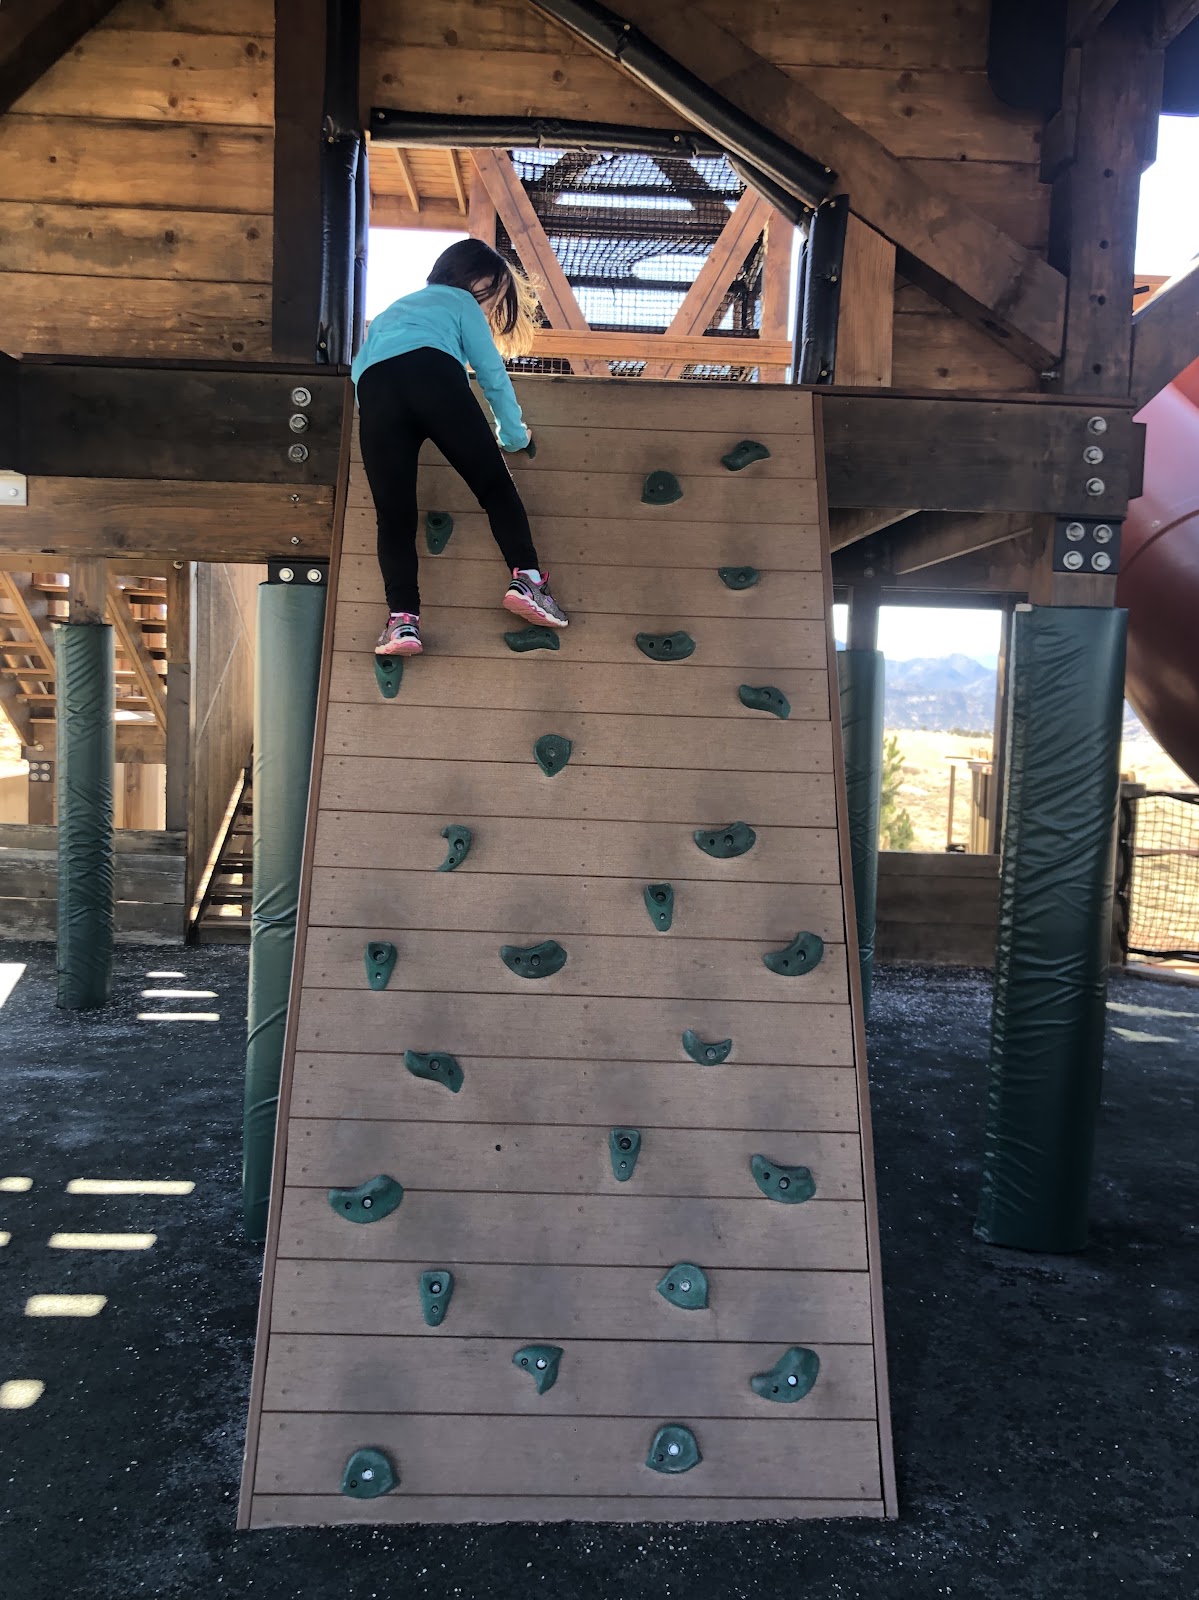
1159	575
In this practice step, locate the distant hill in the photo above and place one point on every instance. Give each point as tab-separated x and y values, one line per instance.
940	692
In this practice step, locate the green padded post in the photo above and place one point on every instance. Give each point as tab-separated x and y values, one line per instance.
85	667
861	675
286	676
1046	1064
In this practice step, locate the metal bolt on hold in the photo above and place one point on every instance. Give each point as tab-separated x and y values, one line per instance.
297	452
301	397
1097	425
1092	455
1075	531
1101	533
1101	561
1072	560
1095	485
298	422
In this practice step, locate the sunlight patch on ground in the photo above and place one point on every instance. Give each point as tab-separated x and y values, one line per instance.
166	974
131	1186
1134	1037
4	1238
178	994
178	1016
102	1241
15	1185
1147	1011
10	973
18	1394
65	1305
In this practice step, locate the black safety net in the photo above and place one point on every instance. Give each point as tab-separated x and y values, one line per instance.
1164	904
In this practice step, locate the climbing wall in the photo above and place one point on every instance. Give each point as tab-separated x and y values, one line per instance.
573	1207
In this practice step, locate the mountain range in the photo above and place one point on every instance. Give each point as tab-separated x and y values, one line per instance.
940	692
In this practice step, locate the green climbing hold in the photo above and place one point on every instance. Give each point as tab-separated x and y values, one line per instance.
437	1067
707	1053
380	963
788	1185
368	1474
436	1288
791	1377
438	527
765	698
459	840
734	839
540	1361
624	1146
552	752
370	1201
659	902
674	1450
536	638
661	489
389	674
800	956
666	646
685	1286
744	455
739	577
534	960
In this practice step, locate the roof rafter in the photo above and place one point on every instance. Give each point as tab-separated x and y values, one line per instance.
34	34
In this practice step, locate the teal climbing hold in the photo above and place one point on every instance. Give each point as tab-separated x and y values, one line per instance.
459	840
389	674
536	638
685	1286
552	752
744	455
368	1474
380	963
765	698
666	646
800	956
540	1361
674	1450
739	577
534	960
709	1053
661	489
436	1289
438	527
370	1201
788	1185
659	902
624	1146
791	1377
733	839
437	1067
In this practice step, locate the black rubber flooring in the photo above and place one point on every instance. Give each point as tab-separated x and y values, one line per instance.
1044	1407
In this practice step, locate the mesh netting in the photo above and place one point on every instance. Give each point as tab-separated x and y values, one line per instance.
1164	910
631	232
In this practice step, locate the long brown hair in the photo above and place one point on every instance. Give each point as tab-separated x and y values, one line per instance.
506	295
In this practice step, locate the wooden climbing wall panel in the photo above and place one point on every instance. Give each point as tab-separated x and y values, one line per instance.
509	1184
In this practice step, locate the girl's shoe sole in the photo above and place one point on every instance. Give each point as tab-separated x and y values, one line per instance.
530	610
407	649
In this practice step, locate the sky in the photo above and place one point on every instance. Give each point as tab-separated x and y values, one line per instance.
1167	238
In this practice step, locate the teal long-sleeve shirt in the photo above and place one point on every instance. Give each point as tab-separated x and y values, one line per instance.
439	317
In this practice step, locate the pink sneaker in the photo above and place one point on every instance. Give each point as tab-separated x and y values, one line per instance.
533	600
401	636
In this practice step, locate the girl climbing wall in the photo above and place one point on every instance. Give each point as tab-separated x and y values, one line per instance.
411	381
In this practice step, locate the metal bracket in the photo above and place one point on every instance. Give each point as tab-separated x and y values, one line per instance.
1086	544
14	488
301	572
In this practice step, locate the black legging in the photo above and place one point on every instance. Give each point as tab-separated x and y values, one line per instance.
403	401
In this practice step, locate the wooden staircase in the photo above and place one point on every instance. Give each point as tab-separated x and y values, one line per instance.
222	915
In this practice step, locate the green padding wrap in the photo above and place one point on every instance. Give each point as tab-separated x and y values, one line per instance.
860	674
85	742
286	675
1063	770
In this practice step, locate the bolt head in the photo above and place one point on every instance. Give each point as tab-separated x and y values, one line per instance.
297	452
298	422
1101	560
1101	533
285	576
314	574
1092	455
1095	485
1097	425
1072	560
295	538
301	396
1075	531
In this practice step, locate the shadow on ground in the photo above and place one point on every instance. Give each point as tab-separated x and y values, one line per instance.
1044	1407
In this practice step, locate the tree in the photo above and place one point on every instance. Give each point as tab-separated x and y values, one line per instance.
895	830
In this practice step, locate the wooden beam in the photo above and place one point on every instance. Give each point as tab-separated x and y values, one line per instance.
846	526
87	599
459	186
777	252
395	211
299	47
1085	17
405	167
531	245
1170	17
180	580
931	537
135	741
16	711
949	250
1165	335
1000	569
133	646
34	34
703	300
14	588
721	349
480	211
866	318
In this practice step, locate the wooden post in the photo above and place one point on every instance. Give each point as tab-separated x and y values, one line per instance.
861	631
999	733
776	287
180	580
299	42
867	311
480	210
87	599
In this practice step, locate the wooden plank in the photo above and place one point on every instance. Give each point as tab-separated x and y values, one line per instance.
135	922
400	784
703	301
409	182
529	240
598	1230
179	586
1085	17
155	879
933	350
133	645
395	211
291	1510
1008	194
639	1379
481	213
522	1158
776	286
651	1029
603	741
961	258
194	16
739	350
87	600
786	1099
938	864
134	242
299	87
172	521
456	178
433	962
934	536
71	159
732	410
1164	334
866	308
941	944
34	34
1170	18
